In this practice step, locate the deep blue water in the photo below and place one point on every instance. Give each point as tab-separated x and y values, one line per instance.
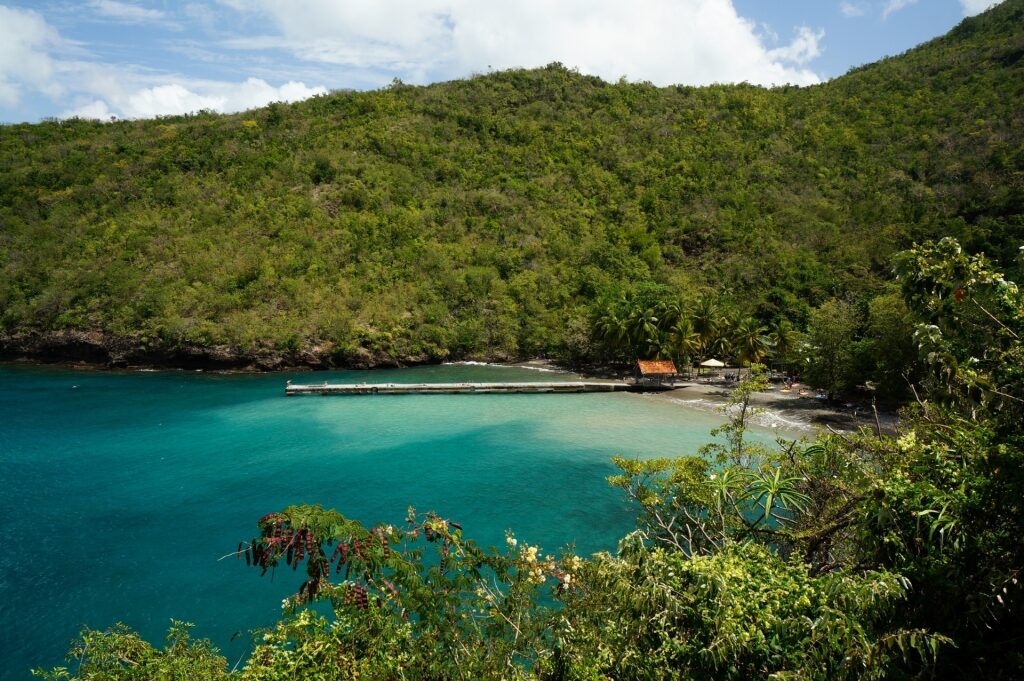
119	491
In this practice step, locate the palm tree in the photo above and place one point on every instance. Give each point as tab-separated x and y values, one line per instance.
784	338
672	312
721	346
750	341
683	341
706	322
613	330
644	330
724	345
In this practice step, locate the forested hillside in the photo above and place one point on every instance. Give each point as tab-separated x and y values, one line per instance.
496	216
858	556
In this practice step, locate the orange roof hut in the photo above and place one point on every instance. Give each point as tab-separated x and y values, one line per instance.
657	372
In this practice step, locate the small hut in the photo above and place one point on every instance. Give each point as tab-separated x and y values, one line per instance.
657	373
711	364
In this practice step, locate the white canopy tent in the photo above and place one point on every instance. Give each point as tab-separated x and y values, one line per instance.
711	364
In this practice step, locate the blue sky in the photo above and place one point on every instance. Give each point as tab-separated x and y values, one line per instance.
144	58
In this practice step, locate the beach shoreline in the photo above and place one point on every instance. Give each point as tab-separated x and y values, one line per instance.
789	411
798	409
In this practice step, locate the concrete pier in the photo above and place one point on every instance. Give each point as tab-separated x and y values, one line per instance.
458	388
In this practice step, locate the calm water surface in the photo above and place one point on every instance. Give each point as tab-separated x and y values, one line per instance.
120	491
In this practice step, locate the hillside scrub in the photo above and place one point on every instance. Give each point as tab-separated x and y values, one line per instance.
492	217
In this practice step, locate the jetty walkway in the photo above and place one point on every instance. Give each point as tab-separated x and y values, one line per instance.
459	388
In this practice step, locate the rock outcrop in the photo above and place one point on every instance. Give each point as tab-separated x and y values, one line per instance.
98	348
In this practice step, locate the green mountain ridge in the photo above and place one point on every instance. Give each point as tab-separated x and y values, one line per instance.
485	218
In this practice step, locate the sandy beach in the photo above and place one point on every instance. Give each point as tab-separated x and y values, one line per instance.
787	410
778	408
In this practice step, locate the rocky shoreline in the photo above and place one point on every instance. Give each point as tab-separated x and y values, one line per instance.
98	349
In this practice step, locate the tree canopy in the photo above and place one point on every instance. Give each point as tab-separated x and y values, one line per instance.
488	217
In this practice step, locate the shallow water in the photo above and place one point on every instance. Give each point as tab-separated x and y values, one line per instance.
120	490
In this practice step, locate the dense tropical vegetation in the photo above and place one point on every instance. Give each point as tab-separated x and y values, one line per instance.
861	556
514	214
529	212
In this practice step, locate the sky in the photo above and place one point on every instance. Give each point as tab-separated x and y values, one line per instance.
145	58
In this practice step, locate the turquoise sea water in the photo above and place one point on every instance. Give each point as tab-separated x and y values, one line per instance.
119	491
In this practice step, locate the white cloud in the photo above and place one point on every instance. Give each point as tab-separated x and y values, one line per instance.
896	6
175	98
850	9
168	99
25	64
96	109
804	48
127	12
972	7
664	41
33	60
